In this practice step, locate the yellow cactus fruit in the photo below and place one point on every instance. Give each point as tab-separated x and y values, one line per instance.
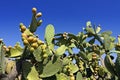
81	68
24	35
34	10
45	55
32	49
40	42
44	51
96	68
71	74
35	39
25	42
35	45
22	28
39	14
43	46
72	78
9	47
39	22
23	38
5	47
30	39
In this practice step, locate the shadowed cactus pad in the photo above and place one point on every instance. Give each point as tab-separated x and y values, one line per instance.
51	68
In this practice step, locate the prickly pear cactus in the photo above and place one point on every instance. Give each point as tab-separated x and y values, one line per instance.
61	56
109	64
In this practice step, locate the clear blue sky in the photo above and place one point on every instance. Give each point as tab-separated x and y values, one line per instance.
65	15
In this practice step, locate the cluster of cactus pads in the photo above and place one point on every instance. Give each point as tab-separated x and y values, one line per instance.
62	56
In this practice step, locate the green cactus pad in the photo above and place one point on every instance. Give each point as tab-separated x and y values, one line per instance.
62	76
107	42
102	71
37	54
49	34
51	68
83	55
16	51
89	28
27	32
33	25
106	33
74	68
60	50
79	76
70	51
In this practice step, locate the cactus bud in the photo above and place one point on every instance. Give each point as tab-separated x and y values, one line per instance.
9	47
65	34
64	70
5	47
39	14
98	29
34	10
39	22
21	24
